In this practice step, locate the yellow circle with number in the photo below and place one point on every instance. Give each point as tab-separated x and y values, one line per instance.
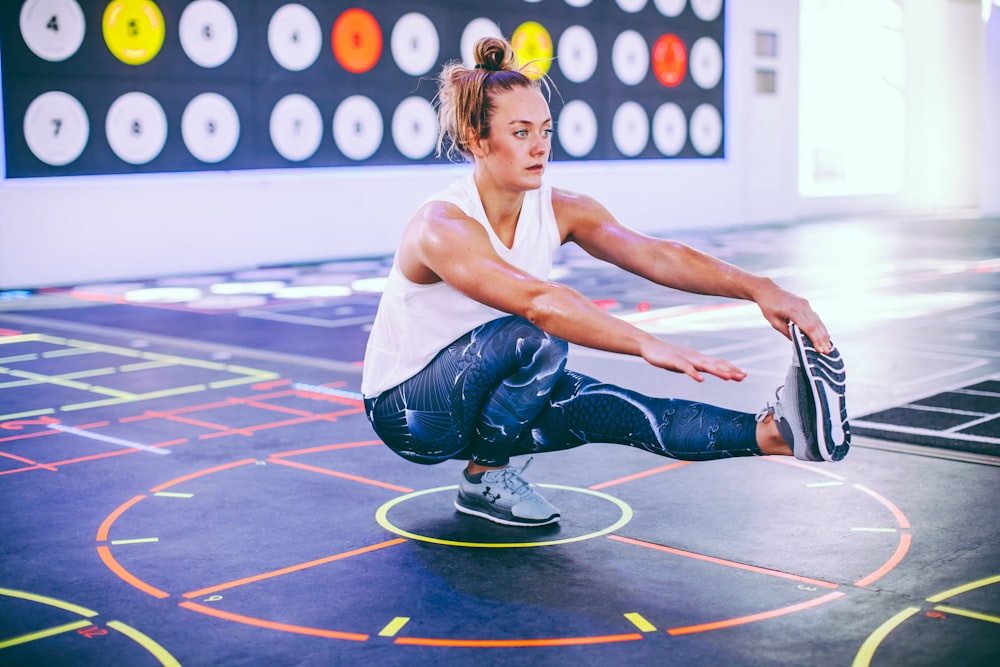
133	30
533	46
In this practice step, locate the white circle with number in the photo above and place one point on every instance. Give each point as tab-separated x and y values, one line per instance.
136	128
706	10
208	33
296	127
210	127
357	127
671	8
414	44
705	63
56	128
475	30
631	6
706	129
577	128
630	129
630	57
52	29
414	128
669	129
294	37
577	54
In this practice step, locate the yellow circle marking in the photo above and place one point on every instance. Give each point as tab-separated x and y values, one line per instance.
382	517
157	651
52	602
533	46
133	30
875	639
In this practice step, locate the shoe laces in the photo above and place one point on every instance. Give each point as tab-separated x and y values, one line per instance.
512	481
775	410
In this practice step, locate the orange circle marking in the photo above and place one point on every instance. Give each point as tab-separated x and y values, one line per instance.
357	40
670	60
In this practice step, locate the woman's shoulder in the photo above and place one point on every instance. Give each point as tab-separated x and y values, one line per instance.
460	192
570	204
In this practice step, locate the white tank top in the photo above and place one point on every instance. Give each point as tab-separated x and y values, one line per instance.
414	322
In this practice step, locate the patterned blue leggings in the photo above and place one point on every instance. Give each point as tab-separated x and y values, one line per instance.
502	390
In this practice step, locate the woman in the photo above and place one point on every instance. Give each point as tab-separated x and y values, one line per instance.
467	354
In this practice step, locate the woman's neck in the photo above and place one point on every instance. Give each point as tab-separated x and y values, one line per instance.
503	208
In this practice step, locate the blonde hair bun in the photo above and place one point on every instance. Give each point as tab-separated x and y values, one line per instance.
494	54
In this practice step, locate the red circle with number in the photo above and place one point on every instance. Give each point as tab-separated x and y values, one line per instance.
357	40
670	60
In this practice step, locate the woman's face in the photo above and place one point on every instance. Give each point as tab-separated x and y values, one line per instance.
515	153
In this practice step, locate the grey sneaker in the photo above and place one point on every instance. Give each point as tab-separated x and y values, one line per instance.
797	426
811	408
503	497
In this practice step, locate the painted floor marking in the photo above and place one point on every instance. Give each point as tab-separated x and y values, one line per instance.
308	321
144	361
272	625
105	528
860	529
329	391
875	639
190	476
517	643
137	540
147	643
394	626
52	602
154	649
905	539
911	430
795	463
864	656
42	634
721	561
753	618
639	475
640	622
896	512
109	439
112	564
967	613
964	588
27	413
81	329
292	568
341	475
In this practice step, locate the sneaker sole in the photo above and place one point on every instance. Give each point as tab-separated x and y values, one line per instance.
505	519
796	391
827	382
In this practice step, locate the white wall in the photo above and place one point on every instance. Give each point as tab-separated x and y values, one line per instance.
989	182
74	230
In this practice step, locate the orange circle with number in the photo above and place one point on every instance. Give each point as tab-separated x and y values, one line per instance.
357	40
670	60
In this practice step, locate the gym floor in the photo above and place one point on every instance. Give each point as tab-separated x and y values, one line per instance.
187	477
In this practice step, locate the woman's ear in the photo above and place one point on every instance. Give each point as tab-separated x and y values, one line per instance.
476	145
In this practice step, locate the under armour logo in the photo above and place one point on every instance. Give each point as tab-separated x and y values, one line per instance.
490	497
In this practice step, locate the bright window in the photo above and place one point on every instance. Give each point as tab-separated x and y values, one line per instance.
852	118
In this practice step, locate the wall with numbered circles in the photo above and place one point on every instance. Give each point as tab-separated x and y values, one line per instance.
122	219
160	86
